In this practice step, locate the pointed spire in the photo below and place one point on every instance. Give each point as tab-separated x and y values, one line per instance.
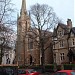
23	8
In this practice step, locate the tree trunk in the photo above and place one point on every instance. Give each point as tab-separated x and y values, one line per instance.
1	55
43	56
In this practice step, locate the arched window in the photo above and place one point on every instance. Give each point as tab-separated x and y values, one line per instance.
30	44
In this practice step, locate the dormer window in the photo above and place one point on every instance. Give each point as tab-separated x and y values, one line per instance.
60	33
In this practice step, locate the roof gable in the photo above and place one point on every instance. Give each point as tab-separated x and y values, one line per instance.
72	30
60	25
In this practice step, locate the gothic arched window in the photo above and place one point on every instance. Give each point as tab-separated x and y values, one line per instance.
30	43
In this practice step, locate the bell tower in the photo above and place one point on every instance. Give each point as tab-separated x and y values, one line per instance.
23	25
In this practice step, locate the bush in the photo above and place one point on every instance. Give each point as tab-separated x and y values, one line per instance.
58	67
69	66
49	68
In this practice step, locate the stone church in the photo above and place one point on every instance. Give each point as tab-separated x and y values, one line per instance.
26	55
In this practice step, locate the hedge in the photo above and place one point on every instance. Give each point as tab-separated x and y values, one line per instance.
69	66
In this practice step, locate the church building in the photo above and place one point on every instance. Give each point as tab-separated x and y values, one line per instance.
26	52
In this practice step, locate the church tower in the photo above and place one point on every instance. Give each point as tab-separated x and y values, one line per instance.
23	25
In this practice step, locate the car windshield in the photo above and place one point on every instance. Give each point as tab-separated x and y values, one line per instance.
60	73
21	72
73	73
31	70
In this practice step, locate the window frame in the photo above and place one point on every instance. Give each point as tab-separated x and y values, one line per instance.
30	44
61	33
73	41
62	56
61	44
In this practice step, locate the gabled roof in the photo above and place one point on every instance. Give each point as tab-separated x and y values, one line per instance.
54	32
72	30
63	26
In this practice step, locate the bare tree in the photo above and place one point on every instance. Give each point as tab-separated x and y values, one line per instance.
6	11
43	19
7	23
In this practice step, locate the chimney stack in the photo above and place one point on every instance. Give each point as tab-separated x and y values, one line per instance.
69	23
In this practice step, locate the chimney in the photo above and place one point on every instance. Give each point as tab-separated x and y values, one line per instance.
69	24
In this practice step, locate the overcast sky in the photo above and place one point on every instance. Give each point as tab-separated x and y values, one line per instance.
63	8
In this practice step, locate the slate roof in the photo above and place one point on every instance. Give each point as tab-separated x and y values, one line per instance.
54	32
62	26
73	30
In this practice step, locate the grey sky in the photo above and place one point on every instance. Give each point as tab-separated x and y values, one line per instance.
63	8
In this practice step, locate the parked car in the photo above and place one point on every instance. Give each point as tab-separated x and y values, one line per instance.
28	72
65	72
9	69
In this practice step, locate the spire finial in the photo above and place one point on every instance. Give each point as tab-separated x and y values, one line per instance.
23	8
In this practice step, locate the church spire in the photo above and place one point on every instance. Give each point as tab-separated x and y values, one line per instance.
23	8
